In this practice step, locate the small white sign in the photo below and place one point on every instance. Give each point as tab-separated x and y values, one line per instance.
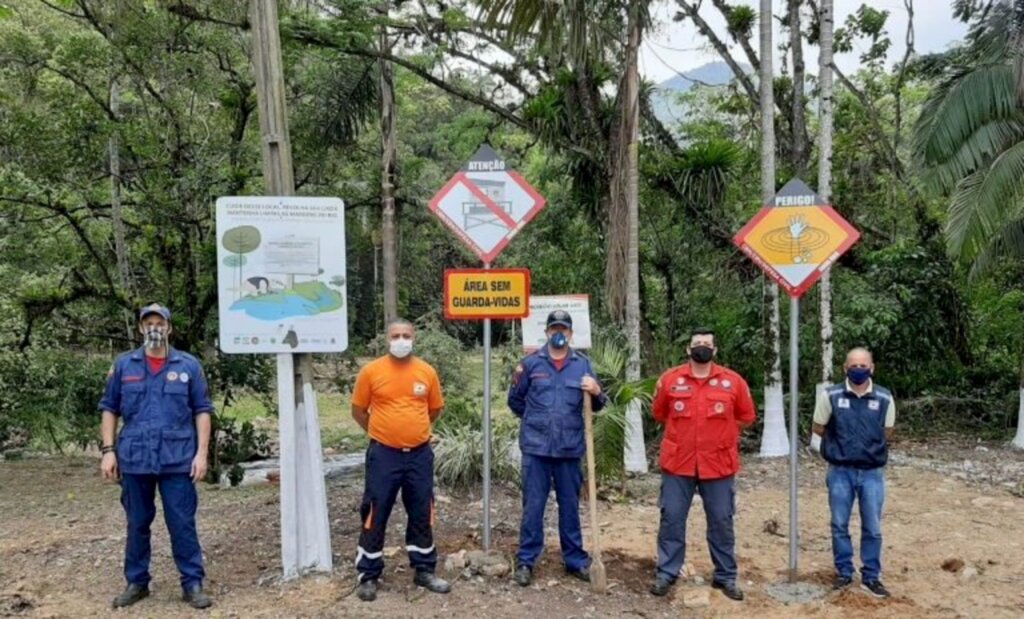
534	325
281	274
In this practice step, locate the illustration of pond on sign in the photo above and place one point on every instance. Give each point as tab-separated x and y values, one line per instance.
267	286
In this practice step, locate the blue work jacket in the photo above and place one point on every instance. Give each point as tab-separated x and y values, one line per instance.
549	402
158	411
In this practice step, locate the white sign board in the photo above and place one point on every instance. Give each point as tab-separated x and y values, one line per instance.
534	325
281	274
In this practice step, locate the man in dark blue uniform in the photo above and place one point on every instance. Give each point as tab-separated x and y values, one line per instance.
547	395
161	396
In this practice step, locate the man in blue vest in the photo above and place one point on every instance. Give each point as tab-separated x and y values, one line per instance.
162	398
853	422
547	396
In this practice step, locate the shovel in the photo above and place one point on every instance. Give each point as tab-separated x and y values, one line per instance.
598	577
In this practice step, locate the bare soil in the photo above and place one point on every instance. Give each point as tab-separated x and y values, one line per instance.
62	536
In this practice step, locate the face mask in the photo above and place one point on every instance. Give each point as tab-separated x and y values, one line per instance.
858	376
559	340
400	348
155	337
702	354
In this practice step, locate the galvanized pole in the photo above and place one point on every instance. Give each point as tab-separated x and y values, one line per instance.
487	430
794	386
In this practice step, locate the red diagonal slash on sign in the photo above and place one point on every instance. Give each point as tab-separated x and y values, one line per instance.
489	203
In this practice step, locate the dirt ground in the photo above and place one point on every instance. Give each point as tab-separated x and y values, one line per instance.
62	536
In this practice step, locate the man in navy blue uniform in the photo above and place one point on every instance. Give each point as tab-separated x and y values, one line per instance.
161	396
853	422
547	395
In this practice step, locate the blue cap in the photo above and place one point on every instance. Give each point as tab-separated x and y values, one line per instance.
560	317
155	308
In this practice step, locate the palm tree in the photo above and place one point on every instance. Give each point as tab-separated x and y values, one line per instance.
826	23
774	440
969	143
389	155
567	30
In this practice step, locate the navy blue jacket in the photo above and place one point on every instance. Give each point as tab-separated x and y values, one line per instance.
550	404
158	410
855	433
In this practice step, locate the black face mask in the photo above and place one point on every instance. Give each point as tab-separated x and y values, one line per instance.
702	354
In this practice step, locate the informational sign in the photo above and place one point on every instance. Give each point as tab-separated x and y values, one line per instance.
281	274
797	238
486	204
476	294
534	325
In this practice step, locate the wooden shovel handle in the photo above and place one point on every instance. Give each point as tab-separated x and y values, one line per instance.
588	424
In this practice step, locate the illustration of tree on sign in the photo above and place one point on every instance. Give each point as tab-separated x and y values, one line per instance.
240	241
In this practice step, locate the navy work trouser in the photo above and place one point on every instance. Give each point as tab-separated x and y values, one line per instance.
719	498
388	471
179	499
538	474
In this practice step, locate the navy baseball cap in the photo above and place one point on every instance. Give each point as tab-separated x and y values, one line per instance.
155	308
560	317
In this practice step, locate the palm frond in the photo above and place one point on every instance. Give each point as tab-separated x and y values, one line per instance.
975	152
958	107
978	210
1007	243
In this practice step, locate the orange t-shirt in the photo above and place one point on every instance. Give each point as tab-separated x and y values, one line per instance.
399	396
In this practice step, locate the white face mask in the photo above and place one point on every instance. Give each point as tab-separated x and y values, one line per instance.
400	348
155	337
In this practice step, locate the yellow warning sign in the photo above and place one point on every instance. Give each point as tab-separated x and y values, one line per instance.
797	238
476	294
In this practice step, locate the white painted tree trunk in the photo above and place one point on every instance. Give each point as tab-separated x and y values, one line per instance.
1018	441
635	452
774	438
825	19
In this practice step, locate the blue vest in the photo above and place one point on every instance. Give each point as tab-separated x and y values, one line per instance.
550	403
855	434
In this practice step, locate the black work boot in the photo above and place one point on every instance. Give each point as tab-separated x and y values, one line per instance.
730	590
131	594
583	573
660	586
367	590
196	597
431	582
523	575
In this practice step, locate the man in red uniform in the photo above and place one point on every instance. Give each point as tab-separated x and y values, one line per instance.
703	406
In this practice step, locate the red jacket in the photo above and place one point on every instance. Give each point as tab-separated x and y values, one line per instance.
702	417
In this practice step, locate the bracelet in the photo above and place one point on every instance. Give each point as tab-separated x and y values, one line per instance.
106	449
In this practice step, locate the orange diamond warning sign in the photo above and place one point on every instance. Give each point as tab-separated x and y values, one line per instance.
795	239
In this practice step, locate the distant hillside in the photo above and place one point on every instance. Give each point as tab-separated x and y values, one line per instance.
665	99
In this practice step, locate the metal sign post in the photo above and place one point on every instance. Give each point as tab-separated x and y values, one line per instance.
794	240
486	204
487	429
794	438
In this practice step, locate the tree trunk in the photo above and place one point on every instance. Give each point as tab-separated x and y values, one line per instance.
389	235
799	120
825	19
774	438
624	285
1018	440
116	213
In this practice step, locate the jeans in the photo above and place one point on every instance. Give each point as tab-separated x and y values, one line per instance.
868	487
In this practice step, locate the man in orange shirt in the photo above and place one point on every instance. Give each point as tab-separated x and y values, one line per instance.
703	406
396	399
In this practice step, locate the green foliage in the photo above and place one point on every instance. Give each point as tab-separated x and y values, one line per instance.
50	396
231	445
458	454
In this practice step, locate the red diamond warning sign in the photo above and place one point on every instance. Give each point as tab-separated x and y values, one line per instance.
486	205
795	239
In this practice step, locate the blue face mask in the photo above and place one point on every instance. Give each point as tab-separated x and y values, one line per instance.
858	376
558	340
